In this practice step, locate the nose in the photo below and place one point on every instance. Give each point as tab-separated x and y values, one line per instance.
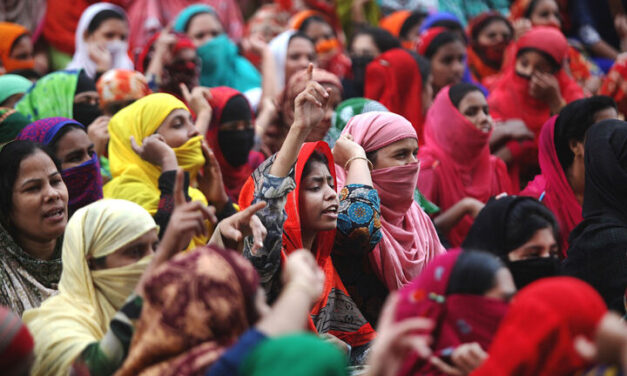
553	20
412	158
458	69
193	132
330	194
52	193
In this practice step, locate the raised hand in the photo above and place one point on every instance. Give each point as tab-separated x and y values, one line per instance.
197	99
345	148
98	133
210	182
242	224
99	54
311	104
155	150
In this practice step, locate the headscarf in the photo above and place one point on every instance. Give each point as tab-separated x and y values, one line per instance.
16	343
538	332
118	49
79	315
351	327
486	61
456	162
182	19
121	85
195	306
279	46
510	97
11	84
26	281
458	317
134	179
394	22
296	355
11	123
52	95
233	177
345	111
269	20
553	187
409	239
615	85
84	182
297	84
9	34
394	80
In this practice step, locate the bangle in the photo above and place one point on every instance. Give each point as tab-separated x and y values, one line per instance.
348	162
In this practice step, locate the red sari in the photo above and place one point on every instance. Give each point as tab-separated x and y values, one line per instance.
322	247
510	98
552	187
393	79
456	163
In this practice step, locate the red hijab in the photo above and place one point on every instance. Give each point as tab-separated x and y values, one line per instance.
552	187
322	247
537	335
456	162
233	177
393	79
458	318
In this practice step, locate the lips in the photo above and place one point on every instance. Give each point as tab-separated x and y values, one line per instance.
55	213
331	211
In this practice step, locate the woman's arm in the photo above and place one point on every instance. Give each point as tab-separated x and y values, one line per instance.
451	217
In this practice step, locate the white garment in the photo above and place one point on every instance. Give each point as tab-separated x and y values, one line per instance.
278	46
118	50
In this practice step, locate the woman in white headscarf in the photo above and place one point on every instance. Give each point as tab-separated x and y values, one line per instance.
101	40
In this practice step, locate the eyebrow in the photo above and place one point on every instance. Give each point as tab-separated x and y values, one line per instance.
37	180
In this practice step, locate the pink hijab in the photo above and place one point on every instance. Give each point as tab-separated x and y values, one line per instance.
409	240
456	162
558	194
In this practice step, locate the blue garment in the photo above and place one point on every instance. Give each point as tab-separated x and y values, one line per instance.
592	20
229	363
186	14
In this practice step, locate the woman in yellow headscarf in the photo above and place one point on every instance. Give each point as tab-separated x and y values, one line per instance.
106	249
149	140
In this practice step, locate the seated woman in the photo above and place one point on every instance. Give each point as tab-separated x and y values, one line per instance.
307	192
150	139
490	33
231	136
293	52
522	233
222	65
532	87
597	245
404	25
16	48
570	310
560	186
68	94
11	124
12	89
214	330
446	51
101	40
80	169
457	168
109	249
32	221
409	240
465	295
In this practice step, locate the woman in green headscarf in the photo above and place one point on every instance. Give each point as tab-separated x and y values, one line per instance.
11	123
222	65
345	111
12	88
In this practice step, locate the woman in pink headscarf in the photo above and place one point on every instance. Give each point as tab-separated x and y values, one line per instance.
456	160
409	240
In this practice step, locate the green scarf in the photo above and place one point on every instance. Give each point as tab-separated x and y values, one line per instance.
11	123
52	95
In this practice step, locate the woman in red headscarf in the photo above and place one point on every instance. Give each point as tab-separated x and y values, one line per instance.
533	87
300	182
490	34
231	137
16	48
394	80
456	159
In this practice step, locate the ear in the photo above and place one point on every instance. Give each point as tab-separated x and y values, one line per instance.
85	35
576	147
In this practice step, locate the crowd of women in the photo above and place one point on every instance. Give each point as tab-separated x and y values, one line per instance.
315	187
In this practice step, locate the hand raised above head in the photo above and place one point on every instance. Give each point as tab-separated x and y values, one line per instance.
311	104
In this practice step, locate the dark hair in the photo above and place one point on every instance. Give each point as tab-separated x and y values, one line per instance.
451	25
30	74
474	273
532	6
524	219
573	123
316	157
17	40
115	106
442	39
313	19
495	17
554	64
382	38
189	22
11	156
414	19
101	17
424	66
458	91
300	34
52	145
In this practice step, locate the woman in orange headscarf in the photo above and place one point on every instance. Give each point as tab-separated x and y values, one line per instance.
16	48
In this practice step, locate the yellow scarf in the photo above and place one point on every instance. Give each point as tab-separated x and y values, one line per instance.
87	301
136	180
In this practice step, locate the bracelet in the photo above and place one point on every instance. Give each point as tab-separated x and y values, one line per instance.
348	162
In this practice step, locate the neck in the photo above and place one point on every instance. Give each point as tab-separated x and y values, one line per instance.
308	238
575	183
39	249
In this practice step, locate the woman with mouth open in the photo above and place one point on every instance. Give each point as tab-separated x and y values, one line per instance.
32	222
305	211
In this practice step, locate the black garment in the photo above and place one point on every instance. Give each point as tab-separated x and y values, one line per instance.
598	245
